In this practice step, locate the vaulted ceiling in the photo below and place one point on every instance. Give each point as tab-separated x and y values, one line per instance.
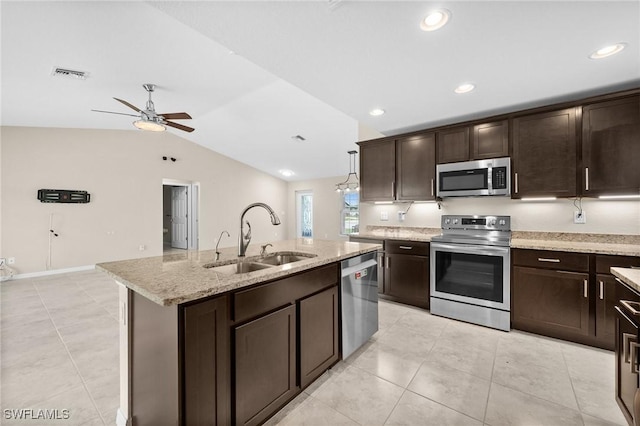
255	74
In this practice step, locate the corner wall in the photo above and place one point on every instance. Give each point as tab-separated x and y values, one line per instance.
123	171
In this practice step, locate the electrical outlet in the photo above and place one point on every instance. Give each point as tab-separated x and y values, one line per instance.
580	217
11	260
401	216
384	215
142	247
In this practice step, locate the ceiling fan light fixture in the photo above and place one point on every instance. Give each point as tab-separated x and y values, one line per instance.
608	51
435	20
150	126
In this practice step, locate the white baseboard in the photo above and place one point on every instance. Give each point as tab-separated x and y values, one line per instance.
54	272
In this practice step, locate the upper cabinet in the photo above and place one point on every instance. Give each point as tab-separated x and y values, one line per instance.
398	170
476	142
378	170
544	155
416	168
611	147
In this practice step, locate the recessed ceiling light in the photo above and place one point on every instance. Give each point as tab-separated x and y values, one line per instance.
435	20
376	112
608	51
286	172
465	88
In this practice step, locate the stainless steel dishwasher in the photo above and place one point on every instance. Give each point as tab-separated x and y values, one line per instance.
359	301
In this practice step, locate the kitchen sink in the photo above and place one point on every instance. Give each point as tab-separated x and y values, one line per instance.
277	259
238	268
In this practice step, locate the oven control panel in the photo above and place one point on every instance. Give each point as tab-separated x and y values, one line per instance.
497	223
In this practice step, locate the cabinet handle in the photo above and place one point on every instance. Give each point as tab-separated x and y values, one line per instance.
601	290
627	338
388	261
516	176
586	178
586	288
405	247
544	259
432	187
633	348
393	189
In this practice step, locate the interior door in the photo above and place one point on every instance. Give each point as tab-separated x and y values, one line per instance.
179	217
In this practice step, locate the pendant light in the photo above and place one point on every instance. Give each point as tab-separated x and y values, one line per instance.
350	184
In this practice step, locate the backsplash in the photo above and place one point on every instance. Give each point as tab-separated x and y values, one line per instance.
603	216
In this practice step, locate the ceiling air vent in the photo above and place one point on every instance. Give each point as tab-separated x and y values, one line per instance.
73	74
333	4
298	138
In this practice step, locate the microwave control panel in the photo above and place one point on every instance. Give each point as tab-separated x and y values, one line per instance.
499	178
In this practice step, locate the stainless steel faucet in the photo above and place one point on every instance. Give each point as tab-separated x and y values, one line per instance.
245	239
218	243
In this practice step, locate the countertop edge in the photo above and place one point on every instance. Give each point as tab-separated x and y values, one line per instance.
629	276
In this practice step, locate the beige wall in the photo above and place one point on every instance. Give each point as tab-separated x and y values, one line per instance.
326	207
603	217
123	171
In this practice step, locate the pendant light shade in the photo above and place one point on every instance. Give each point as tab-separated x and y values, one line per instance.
351	183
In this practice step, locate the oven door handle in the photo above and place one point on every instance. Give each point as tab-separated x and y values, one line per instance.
467	248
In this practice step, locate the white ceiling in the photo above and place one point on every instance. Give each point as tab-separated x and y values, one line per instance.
305	67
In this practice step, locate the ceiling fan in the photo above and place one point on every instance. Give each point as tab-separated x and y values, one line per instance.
149	119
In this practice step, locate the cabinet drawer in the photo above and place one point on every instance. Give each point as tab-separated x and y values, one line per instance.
604	263
264	298
547	259
407	247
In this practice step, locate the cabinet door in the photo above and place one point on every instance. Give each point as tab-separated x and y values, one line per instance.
207	363
378	170
627	382
544	155
453	145
605	309
553	303
319	332
265	365
407	279
416	164
490	140
611	147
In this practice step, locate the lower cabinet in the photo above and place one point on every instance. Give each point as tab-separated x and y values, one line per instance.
407	272
554	303
319	334
569	296
265	365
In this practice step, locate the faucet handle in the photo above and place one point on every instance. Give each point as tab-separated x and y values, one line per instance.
263	251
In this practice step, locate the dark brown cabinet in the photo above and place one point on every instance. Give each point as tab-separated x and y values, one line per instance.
611	147
319	334
207	400
265	365
570	296
378	170
550	302
407	272
398	170
453	145
416	167
544	154
477	142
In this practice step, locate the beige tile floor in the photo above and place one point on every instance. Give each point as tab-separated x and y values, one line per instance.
59	350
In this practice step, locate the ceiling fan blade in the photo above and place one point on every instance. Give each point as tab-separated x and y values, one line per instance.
176	116
136	109
112	112
179	126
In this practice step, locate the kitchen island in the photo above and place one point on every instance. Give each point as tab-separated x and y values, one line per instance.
203	345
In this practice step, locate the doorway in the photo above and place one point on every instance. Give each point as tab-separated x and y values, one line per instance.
180	201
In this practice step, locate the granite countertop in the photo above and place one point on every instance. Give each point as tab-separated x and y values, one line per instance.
179	278
629	276
621	245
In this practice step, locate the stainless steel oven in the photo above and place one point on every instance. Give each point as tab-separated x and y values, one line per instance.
470	270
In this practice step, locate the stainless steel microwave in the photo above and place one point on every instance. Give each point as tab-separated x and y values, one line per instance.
474	178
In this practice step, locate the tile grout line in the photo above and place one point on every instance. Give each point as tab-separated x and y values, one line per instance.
84	383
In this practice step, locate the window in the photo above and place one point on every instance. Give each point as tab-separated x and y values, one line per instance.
304	207
350	214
